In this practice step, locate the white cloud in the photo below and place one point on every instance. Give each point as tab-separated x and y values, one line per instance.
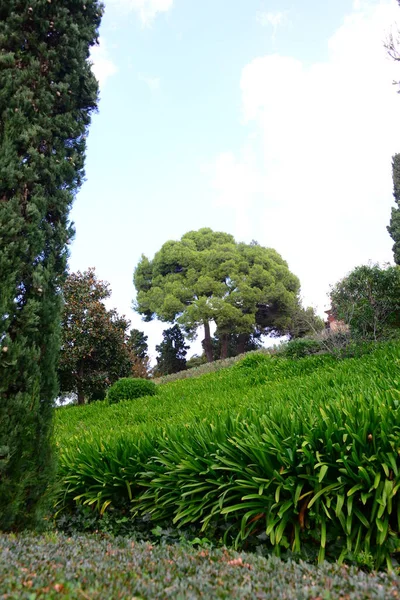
273	19
103	67
239	184
153	83
146	9
322	195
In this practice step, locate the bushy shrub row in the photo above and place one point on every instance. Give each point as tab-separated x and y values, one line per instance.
311	455
339	344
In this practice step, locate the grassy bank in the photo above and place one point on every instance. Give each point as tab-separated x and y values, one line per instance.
298	451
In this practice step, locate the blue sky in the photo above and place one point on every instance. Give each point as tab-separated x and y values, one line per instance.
270	120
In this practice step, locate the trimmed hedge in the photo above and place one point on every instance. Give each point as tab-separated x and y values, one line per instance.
90	566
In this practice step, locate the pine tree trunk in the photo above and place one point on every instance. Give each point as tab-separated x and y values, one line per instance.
207	344
224	345
241	345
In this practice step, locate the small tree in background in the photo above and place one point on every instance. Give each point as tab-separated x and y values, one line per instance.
394	227
368	300
47	95
94	352
172	352
137	344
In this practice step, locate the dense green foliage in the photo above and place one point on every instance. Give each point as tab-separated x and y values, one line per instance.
129	388
171	352
301	347
305	321
297	451
47	95
87	566
207	276
94	348
368	300
394	227
196	361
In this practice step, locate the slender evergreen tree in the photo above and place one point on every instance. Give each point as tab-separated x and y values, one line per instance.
171	352
137	342
47	95
394	227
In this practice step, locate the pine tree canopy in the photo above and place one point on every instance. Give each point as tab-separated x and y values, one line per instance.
207	276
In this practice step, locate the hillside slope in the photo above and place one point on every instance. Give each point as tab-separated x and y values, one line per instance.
291	450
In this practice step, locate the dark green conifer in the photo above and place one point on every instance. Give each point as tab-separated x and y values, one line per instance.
171	352
394	227
47	95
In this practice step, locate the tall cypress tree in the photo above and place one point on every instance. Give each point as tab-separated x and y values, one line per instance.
47	95
394	227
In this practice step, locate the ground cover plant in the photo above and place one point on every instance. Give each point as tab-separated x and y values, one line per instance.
295	452
94	567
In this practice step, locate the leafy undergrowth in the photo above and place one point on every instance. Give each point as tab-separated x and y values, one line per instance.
96	567
297	451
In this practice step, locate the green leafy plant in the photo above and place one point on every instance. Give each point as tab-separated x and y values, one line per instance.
129	388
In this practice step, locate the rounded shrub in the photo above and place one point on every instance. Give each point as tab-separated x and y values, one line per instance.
301	347
129	388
